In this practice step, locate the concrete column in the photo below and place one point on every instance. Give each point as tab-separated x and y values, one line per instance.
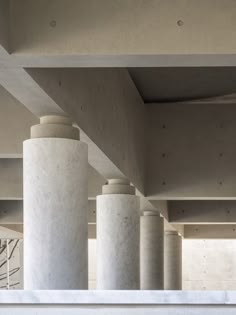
172	261
118	236
151	251
55	207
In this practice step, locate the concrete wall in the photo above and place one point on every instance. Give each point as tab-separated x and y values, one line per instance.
209	264
191	151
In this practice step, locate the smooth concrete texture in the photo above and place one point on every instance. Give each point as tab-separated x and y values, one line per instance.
118	236
4	25
122	28
209	264
114	110
172	261
20	84
55	214
95	182
15	123
55	126
11	231
118	186
202	211
45	35
11	179
11	212
210	231
191	151
151	251
197	83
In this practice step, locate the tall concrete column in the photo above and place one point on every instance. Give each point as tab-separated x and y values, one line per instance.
151	251
118	236
172	261
55	207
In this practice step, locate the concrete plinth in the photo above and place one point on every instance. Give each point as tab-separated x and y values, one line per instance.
118	238
172	261
55	212
151	251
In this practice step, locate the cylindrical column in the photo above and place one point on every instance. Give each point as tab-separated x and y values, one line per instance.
172	261
55	207
118	235
151	251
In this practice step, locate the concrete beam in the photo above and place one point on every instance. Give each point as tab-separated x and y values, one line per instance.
212	231
161	206
92	231
21	85
174	227
95	183
11	212
14	227
92	215
4	27
202	212
107	107
11	219
122	33
15	123
191	151
11	179
10	232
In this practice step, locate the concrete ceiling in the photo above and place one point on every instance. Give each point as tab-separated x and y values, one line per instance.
76	62
183	83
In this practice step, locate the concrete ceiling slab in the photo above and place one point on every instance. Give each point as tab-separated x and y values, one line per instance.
183	83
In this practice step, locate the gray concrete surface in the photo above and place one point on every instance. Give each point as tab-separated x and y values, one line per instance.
118	240
151	251
172	261
209	264
191	151
117	302
55	214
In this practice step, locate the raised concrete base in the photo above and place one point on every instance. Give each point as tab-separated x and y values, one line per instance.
117	302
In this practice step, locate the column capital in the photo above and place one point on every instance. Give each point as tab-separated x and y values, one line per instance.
55	126
118	186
